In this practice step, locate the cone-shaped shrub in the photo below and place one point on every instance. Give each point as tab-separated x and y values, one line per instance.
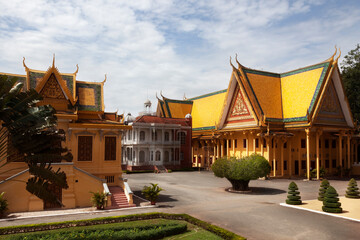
323	187
352	190
293	196
331	201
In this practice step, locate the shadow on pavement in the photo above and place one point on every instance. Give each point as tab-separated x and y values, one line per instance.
259	191
162	197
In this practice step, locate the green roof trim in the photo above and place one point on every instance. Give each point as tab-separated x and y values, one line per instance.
203	128
179	101
167	108
304	69
207	95
162	108
286	120
269	74
98	100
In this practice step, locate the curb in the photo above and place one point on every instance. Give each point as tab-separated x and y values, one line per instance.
75	213
315	211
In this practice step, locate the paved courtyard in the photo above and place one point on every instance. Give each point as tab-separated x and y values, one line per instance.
257	215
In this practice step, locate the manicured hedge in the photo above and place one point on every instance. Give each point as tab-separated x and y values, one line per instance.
225	234
141	232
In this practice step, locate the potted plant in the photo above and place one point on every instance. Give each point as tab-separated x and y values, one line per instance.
3	205
99	200
152	192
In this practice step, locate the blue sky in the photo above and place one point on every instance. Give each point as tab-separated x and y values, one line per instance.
145	46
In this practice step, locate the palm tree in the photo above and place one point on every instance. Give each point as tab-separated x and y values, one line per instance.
28	134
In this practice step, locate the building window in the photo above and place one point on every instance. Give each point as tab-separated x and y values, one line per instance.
319	143
167	136
285	144
176	154
182	137
85	148
141	156
264	142
256	143
327	163
142	136
129	135
154	135
151	156
166	156
334	163
129	154
326	143
303	164
235	143
229	143
110	179
158	156
244	143
110	148
181	156
333	143
303	143
285	165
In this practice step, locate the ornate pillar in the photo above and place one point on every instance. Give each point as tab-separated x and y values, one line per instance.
222	147
290	159
282	156
348	151
274	157
307	153
317	156
254	143
340	150
262	146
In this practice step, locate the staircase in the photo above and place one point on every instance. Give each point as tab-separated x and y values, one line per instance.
160	169
118	199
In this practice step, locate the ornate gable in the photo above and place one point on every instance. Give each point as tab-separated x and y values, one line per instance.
239	112
52	89
330	112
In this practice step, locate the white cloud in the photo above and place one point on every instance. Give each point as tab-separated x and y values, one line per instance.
175	46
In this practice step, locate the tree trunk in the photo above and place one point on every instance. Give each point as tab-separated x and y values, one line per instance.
239	185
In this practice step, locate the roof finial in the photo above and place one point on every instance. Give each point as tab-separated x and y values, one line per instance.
53	65
239	65
338	56
104	79
77	69
232	64
25	64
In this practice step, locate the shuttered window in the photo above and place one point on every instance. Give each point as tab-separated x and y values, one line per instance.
85	148
110	148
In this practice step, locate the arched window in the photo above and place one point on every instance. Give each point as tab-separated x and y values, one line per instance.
141	156
129	154
182	137
142	136
166	156
167	136
157	156
129	135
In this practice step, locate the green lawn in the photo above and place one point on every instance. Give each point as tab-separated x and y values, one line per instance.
193	232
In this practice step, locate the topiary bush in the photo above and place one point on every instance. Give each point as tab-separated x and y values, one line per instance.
352	190
331	202
239	172
293	196
323	187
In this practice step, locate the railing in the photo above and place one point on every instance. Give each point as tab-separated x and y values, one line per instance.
127	191
108	193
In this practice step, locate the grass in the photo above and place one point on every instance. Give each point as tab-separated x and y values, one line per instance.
194	233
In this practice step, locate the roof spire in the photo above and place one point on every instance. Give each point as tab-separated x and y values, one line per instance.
104	79
53	65
232	64
239	65
338	56
161	94
25	64
77	69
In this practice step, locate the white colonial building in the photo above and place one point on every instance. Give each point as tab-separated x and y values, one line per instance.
155	141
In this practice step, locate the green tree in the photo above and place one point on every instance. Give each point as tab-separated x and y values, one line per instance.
28	134
293	196
239	172
352	190
350	72
331	201
323	187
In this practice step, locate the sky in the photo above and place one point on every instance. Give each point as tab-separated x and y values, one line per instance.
175	47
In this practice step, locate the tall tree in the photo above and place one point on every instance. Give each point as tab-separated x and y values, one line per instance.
28	133
350	68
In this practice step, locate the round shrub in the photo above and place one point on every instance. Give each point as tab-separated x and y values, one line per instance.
239	172
323	187
293	197
352	190
331	202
